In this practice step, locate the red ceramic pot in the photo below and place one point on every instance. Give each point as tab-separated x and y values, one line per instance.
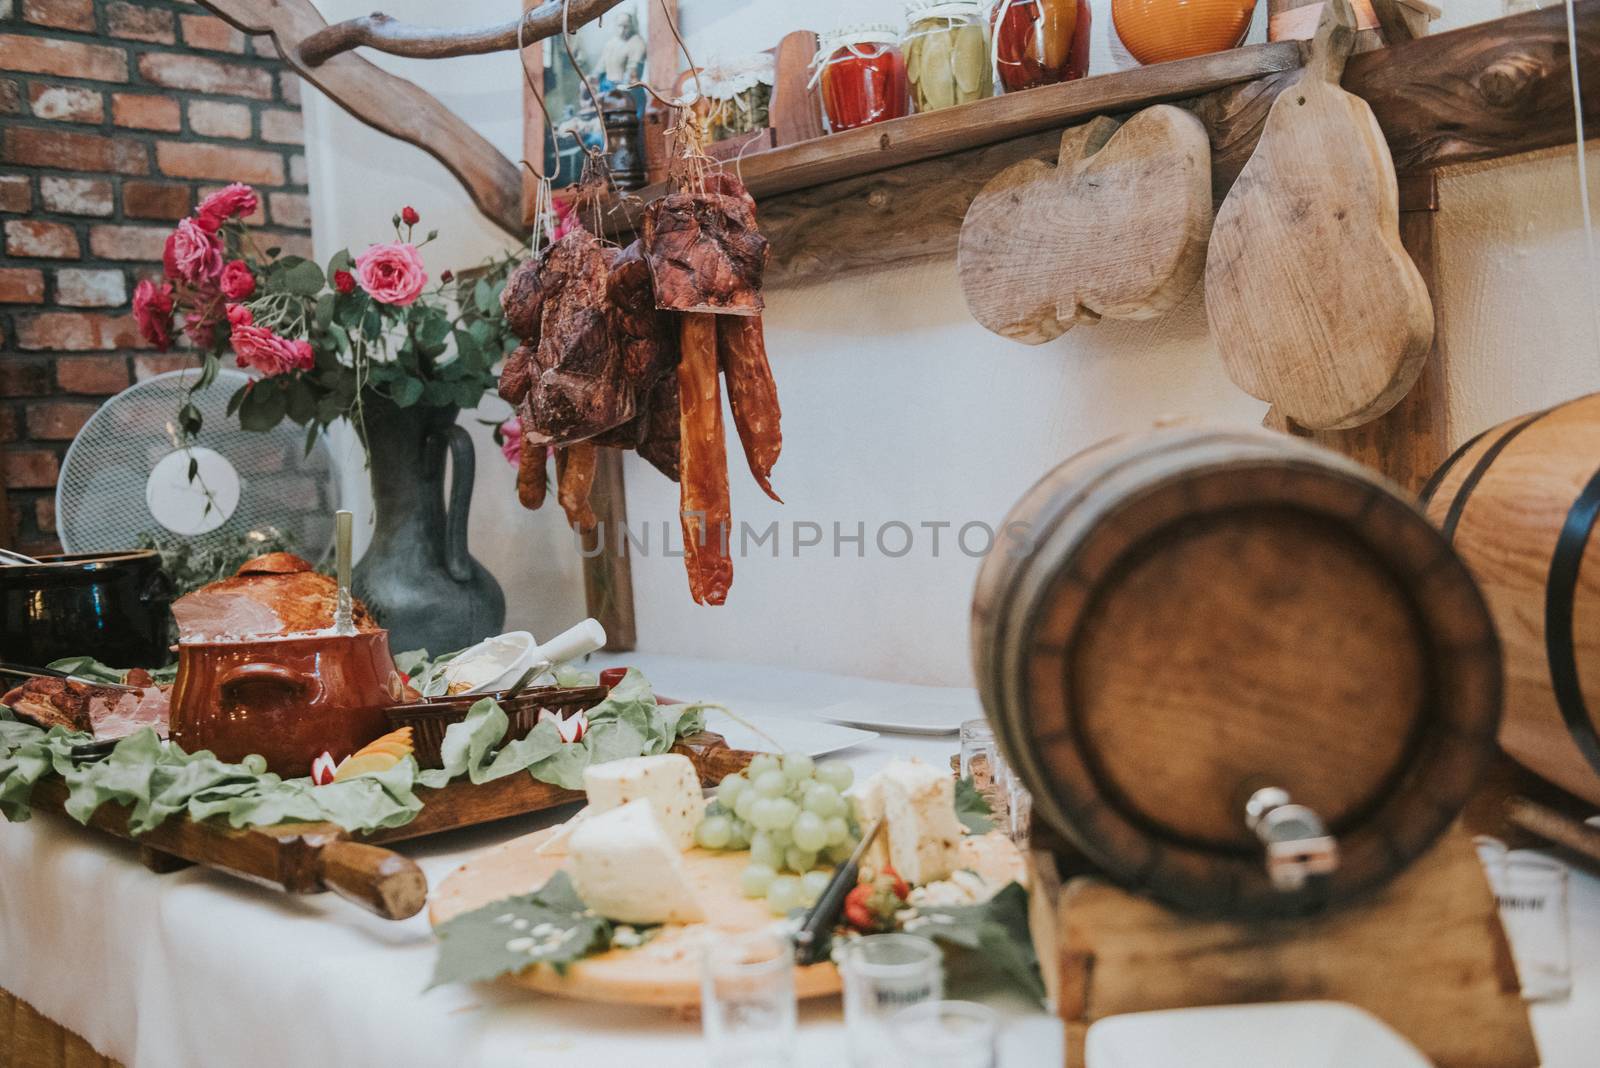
288	699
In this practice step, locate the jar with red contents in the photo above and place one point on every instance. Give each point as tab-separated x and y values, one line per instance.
862	75
1039	42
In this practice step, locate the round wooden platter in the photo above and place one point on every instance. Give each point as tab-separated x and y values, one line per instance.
665	971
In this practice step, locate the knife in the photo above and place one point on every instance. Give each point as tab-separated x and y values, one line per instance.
824	915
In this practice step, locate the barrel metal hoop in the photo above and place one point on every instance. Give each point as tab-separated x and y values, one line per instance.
1479	469
1445	468
1561	585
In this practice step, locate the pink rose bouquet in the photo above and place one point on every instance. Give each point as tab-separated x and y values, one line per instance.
321	340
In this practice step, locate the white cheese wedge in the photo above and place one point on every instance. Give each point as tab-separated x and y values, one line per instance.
626	868
556	844
921	832
667	780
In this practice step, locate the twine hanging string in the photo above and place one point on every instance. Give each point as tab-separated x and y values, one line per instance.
1583	173
594	181
544	219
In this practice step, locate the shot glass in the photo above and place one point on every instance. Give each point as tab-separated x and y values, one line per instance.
884	974
1531	893
747	1004
947	1034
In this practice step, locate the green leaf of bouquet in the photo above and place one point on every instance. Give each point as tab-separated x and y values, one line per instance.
406	391
341	261
483	296
263	407
302	277
323	316
238	398
301	403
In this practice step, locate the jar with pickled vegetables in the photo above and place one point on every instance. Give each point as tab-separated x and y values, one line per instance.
947	53
863	77
1039	42
739	94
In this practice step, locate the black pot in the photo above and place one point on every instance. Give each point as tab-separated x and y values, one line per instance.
111	606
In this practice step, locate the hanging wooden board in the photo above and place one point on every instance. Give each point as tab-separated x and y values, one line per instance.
1116	229
1313	302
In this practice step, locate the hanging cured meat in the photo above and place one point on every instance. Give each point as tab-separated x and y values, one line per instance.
752	394
623	348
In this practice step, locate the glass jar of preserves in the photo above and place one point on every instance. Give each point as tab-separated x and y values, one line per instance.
739	94
863	77
947	53
1039	42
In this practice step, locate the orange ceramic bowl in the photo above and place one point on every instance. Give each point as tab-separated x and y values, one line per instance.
1155	31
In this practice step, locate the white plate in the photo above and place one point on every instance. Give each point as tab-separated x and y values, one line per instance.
1294	1034
906	715
792	735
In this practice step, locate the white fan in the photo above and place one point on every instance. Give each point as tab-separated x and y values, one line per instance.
125	475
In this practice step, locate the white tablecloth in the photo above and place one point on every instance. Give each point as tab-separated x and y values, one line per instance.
200	969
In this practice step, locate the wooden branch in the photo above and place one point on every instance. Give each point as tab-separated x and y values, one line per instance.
384	33
846	202
389	104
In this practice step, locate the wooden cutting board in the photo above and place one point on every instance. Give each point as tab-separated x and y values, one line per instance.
1313	302
1115	229
665	971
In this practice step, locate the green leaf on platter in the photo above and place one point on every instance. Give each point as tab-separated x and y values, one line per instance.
498	938
406	391
301	277
972	808
263	408
986	941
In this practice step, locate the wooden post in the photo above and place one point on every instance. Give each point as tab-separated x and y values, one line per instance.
608	574
1409	442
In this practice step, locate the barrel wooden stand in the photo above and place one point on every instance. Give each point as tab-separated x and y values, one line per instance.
1426	955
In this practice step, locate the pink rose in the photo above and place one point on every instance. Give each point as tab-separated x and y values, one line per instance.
224	204
511	441
391	274
152	308
566	220
258	347
237	282
191	254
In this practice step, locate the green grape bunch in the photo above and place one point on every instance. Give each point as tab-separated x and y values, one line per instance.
791	814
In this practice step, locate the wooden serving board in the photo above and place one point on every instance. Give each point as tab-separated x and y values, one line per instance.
664	972
1116	229
1313	302
309	858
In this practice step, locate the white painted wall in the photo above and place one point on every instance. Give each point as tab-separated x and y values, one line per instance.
898	407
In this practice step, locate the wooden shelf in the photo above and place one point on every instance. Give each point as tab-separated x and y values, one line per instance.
896	191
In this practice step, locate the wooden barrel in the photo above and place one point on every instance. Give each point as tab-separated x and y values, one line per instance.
1519	504
1195	614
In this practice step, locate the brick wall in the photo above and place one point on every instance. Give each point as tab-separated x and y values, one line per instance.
115	116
